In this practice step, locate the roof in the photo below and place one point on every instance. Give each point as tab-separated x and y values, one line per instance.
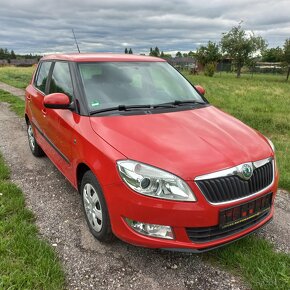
95	57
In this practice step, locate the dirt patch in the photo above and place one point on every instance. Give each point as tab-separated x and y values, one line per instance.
89	264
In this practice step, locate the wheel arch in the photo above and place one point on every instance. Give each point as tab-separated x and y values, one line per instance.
82	168
26	119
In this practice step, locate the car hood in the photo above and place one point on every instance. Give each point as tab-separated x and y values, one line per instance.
187	143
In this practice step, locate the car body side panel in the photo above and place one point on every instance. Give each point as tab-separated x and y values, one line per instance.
97	154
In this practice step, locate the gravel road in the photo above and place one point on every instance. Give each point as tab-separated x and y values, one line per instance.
89	264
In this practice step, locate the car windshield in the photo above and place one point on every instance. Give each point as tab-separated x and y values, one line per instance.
113	84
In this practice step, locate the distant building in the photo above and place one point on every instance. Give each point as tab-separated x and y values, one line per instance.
268	67
225	65
183	62
3	62
24	62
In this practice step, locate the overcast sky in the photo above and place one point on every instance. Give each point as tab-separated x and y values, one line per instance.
30	26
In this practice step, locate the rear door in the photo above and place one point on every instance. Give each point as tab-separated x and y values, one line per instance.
35	94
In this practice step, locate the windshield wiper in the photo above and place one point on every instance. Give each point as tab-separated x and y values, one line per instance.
186	102
176	103
131	107
120	108
150	107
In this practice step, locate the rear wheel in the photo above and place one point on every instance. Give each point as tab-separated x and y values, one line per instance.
34	147
95	208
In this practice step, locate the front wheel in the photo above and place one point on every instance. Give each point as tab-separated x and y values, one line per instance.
95	208
34	147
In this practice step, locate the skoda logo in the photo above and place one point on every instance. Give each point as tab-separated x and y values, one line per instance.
247	171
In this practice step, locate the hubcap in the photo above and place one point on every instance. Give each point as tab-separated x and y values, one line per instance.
31	137
93	207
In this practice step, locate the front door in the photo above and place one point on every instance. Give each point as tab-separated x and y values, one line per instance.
60	122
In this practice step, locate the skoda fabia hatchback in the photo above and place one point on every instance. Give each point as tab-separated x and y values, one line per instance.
155	164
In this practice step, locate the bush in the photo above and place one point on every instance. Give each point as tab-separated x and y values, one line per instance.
209	69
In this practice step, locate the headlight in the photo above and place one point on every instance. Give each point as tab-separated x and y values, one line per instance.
271	144
154	182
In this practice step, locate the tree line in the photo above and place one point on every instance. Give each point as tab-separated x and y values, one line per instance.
239	46
6	54
10	54
243	48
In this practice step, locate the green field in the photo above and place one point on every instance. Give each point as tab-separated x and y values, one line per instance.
262	102
18	77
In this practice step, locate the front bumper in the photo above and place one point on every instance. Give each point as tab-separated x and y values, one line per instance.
125	203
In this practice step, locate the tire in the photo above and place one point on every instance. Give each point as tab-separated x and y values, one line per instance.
95	208
33	145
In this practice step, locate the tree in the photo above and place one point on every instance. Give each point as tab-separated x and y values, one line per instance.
178	54
130	51
154	52
12	54
4	53
286	56
191	54
165	55
126	50
208	56
240	46
157	51
2	56
273	54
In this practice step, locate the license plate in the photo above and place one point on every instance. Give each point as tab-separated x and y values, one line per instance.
246	211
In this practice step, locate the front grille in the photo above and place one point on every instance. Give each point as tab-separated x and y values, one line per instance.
228	188
203	235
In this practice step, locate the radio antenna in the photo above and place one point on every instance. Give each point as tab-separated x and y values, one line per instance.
76	41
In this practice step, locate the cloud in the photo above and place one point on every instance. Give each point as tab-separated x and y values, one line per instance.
30	26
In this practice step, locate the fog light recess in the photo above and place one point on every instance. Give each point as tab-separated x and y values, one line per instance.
152	230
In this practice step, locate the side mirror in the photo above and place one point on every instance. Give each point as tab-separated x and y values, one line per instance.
200	89
57	101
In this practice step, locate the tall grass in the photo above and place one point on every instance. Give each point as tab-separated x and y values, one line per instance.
18	77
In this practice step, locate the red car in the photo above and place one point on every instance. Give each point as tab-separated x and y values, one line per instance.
155	164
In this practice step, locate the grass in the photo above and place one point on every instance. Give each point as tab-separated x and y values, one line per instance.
262	102
16	104
256	261
26	261
18	77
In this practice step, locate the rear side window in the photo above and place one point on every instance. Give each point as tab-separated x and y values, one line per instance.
61	79
42	75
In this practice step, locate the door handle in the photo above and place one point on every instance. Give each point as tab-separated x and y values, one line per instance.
43	111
